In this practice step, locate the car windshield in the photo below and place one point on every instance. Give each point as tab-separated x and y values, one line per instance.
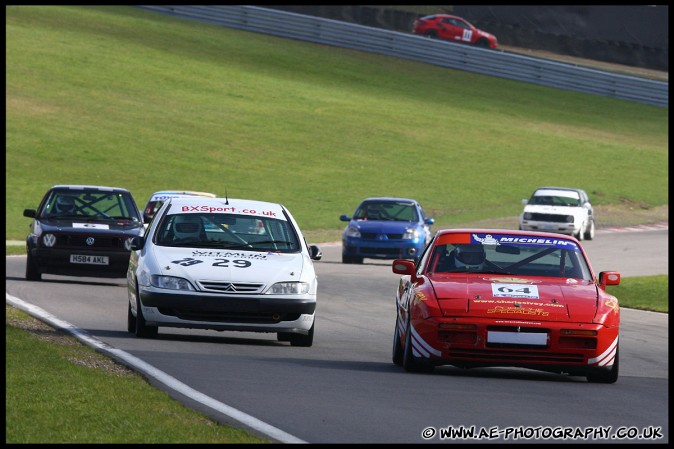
89	204
226	231
387	210
511	255
551	200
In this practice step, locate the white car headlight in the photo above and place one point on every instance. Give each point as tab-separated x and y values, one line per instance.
411	234
289	288
352	231
569	219
170	282
527	216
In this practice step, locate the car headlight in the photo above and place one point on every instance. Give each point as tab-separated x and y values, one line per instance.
170	282
527	216
352	231
49	240
289	288
411	234
569	219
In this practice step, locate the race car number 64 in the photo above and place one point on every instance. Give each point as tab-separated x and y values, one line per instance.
514	291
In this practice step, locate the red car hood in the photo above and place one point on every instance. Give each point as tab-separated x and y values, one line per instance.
510	297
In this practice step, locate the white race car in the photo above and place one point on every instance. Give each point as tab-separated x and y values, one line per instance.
560	210
158	198
203	263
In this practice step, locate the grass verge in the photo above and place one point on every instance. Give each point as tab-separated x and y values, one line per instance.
59	391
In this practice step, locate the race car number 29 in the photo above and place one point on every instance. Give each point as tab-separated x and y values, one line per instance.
224	263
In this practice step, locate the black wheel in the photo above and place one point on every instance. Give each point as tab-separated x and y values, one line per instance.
142	329
580	234
397	355
411	363
605	375
303	340
352	259
431	34
283	336
484	43
130	320
32	273
589	231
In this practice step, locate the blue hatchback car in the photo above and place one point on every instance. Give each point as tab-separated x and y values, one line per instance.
385	228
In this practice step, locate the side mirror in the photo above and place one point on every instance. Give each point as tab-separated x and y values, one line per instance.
429	221
30	213
345	218
403	266
137	242
315	252
609	278
524	201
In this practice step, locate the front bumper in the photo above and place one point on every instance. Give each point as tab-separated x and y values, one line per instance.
57	261
544	226
376	249
258	313
515	343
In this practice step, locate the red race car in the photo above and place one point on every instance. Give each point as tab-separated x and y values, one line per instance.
509	298
453	28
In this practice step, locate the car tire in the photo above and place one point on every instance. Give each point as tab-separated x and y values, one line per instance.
431	34
605	375
303	340
130	320
397	355
411	363
589	232
352	259
580	234
32	272
283	336
142	329
484	43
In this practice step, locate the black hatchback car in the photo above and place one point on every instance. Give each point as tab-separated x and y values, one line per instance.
81	230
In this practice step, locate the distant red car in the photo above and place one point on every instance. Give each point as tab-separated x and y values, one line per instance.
453	28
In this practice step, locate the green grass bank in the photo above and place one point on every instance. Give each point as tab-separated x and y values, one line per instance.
115	95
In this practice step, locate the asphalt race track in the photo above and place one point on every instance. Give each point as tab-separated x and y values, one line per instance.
345	389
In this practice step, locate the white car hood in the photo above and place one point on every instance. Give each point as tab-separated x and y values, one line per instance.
232	265
557	210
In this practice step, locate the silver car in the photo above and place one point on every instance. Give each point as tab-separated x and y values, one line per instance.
560	210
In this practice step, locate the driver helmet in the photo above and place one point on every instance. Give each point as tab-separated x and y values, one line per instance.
187	227
64	205
471	256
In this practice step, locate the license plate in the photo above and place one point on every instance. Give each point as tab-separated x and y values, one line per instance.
518	338
92	260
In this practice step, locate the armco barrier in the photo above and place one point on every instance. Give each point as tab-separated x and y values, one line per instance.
441	53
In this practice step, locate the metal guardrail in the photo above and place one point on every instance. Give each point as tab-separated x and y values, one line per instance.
441	53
